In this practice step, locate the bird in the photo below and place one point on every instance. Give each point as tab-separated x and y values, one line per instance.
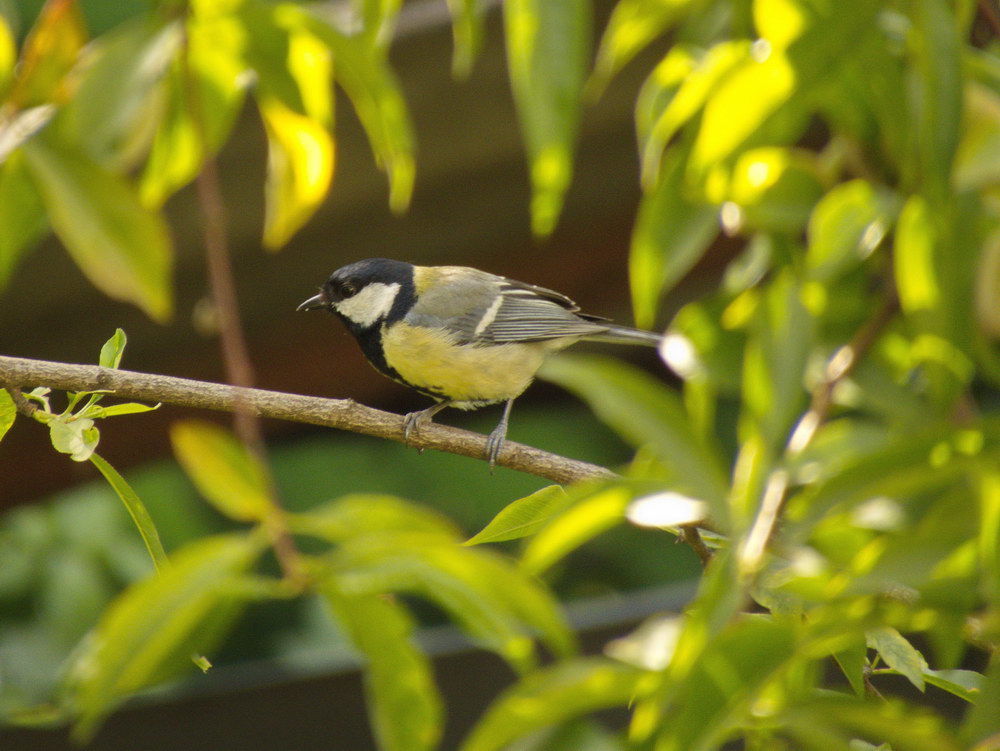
463	337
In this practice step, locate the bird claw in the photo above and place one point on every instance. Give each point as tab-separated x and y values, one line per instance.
494	445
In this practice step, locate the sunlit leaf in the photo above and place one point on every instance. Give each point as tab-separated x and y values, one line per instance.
8	412
222	469
572	528
981	725
8	54
300	161
552	695
548	49
404	703
977	159
632	26
22	215
659	90
467	32
373	89
965	684
645	412
846	226
775	188
122	247
48	54
203	94
523	517
149	632
898	654
136	509
116	107
112	350
378	20
671	234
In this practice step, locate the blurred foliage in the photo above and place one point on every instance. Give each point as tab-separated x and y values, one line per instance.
853	504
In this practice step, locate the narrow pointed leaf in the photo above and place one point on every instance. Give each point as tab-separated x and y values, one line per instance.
548	50
467	33
136	509
353	516
22	214
524	516
8	412
898	654
49	53
122	247
112	350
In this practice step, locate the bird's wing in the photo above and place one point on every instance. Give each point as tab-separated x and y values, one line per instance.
527	313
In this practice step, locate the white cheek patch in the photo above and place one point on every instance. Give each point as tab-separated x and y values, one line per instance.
370	304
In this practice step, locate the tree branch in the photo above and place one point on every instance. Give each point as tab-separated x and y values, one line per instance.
343	414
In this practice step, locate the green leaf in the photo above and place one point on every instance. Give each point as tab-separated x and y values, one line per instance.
116	410
467	31
493	602
48	55
8	412
936	95
548	50
222	469
112	350
965	684
898	654
982	723
852	662
645	412
203	95
846	226
122	247
150	631
671	234
22	215
632	26
775	188
136	509
914	259
404	704
356	515
115	109
8	54
523	517
74	436
372	87
753	92
587	518
553	695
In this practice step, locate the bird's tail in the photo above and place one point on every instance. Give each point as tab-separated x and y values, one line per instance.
625	335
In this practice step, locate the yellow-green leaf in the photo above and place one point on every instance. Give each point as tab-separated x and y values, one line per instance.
524	516
222	469
49	53
22	215
8	412
467	32
300	161
8	54
122	247
113	349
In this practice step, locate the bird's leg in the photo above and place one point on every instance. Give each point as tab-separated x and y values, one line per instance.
414	420
494	443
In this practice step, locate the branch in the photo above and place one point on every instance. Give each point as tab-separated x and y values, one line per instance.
343	414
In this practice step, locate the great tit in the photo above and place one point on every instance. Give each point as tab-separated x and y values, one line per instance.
461	336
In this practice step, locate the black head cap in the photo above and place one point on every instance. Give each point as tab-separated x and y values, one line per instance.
348	280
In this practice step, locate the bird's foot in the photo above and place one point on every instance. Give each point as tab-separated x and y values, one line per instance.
494	445
416	420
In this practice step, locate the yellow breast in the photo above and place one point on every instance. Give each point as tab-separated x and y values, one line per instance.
426	359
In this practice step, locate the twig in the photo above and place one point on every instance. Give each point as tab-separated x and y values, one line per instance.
344	414
991	15
692	537
24	407
235	354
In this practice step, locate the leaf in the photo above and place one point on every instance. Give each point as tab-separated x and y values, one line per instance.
404	704
222	469
898	654
136	509
148	633
645	412
300	161
553	695
548	50
523	517
981	725
112	350
74	436
587	518
8	54
117	105
965	684
671	234
632	26
491	601
122	247
22	215
914	260
8	412
753	92
48	54
467	31
852	662
353	516
203	95
775	188
846	227
372	87
936	95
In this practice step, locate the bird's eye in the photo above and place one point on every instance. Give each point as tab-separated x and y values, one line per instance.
348	289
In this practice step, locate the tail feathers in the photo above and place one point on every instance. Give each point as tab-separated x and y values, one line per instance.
625	335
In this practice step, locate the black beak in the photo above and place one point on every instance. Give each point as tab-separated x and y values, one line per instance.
314	303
